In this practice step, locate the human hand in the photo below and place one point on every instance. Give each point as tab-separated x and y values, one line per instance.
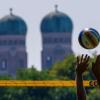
96	68
82	64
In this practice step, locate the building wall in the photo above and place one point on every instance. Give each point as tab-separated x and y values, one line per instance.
56	46
13	54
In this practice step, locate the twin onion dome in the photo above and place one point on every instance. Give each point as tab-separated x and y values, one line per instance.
12	25
53	22
56	22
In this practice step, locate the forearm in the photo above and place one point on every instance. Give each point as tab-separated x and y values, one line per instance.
81	93
98	80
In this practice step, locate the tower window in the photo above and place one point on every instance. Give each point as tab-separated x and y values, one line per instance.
15	42
22	42
11	42
48	61
3	65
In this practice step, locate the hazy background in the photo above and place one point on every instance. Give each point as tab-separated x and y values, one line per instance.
84	13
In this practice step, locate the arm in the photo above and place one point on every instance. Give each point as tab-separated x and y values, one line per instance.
81	94
96	69
82	65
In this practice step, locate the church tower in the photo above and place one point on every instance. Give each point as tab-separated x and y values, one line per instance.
56	29
13	53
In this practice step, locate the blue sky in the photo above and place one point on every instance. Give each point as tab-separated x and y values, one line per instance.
84	13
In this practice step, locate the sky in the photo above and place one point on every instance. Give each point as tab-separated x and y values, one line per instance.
84	14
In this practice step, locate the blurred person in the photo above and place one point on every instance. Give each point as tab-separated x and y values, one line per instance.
96	69
82	65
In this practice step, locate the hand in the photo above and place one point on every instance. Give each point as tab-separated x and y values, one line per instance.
96	68
82	64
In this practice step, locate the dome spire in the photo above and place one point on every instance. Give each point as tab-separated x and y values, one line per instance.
56	8
11	11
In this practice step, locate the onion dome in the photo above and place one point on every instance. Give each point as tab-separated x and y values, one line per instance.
56	22
12	25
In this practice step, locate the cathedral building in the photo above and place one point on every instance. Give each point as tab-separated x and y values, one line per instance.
13	53
56	29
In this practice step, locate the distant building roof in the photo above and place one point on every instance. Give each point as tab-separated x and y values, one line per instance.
56	22
12	25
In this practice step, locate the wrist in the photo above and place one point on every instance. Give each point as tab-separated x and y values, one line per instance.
78	73
96	75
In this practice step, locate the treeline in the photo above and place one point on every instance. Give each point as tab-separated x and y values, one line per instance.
64	70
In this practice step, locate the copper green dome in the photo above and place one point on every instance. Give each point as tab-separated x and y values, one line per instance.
56	22
12	25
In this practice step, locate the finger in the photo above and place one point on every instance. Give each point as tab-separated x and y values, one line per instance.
98	56
88	58
98	59
77	59
82	58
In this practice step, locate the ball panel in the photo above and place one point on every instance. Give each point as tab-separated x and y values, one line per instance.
89	39
80	38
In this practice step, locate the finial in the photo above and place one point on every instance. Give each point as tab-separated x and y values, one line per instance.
56	7
11	10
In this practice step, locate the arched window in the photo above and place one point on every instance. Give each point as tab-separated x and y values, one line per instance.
48	61
3	64
21	42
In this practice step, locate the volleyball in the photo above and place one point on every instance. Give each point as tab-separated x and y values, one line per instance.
89	38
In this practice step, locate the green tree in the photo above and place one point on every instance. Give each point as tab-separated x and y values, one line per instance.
64	69
94	94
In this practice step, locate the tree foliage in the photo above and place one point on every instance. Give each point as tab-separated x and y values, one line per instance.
63	70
